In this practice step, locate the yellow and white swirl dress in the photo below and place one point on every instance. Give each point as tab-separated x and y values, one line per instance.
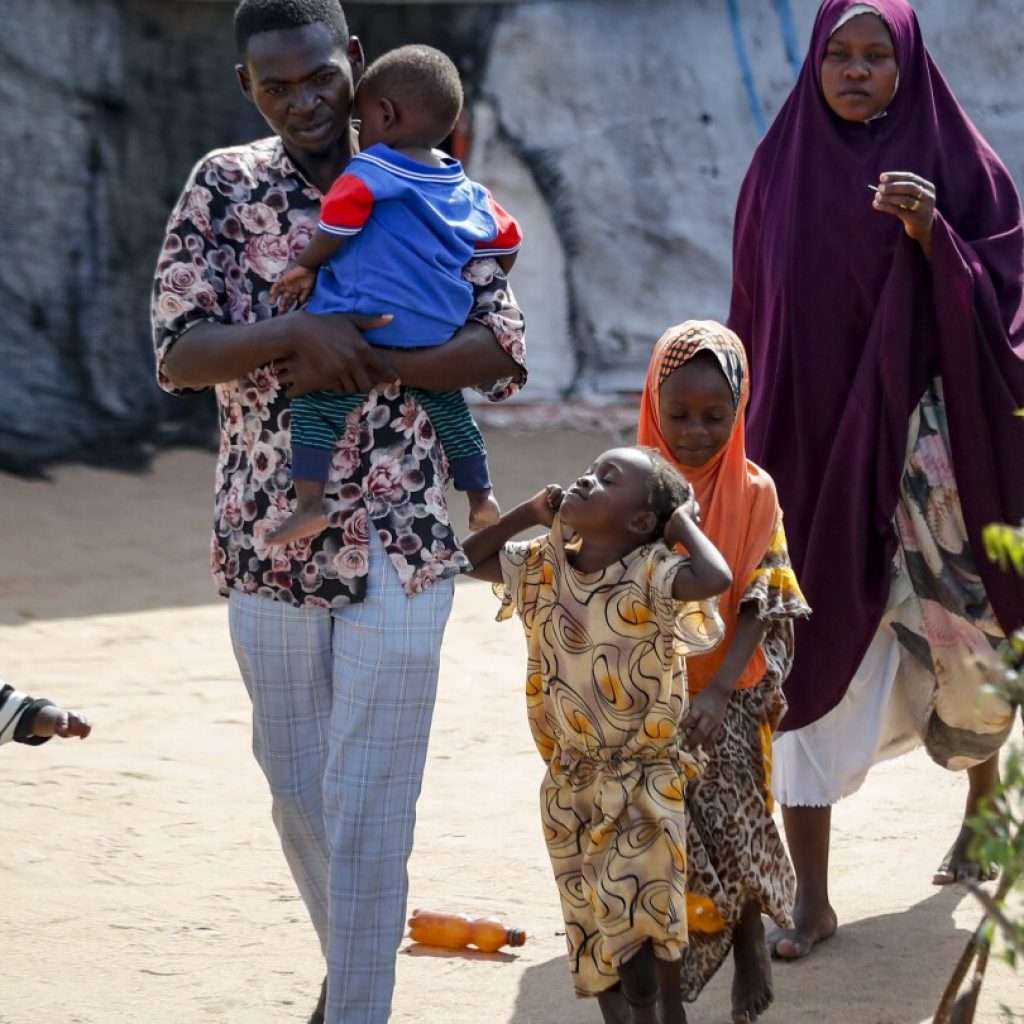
605	691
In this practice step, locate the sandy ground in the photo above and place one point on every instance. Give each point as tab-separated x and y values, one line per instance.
142	880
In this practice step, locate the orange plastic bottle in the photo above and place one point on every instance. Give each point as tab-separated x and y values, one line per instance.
702	916
456	931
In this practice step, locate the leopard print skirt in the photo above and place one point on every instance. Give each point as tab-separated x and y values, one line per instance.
735	852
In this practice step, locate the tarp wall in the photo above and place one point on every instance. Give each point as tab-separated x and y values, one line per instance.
618	132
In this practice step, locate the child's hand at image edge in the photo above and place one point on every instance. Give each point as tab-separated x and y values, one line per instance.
56	721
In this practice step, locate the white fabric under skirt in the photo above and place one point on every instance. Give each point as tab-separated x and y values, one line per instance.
922	680
821	763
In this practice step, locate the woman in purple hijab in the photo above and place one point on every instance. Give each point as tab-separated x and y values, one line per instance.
878	273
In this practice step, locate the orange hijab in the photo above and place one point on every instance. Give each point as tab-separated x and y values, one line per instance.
739	508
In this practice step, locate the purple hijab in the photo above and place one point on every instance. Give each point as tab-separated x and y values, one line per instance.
845	324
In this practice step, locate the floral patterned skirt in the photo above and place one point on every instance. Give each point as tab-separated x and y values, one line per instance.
928	687
938	607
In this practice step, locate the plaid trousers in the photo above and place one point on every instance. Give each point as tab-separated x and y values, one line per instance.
342	705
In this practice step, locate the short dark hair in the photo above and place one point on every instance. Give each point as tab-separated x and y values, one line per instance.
667	488
255	16
423	80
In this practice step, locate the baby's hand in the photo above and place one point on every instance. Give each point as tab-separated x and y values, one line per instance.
546	503
293	287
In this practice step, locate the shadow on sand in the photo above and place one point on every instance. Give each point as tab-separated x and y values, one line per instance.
866	974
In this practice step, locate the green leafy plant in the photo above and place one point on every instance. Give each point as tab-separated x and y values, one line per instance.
998	828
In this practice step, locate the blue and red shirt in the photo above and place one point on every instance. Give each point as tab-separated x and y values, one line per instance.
412	230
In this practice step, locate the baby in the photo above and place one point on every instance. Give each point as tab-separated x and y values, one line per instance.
396	231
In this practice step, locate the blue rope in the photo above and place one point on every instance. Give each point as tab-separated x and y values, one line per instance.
785	13
747	75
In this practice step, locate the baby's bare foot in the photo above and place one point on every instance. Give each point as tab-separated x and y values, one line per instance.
483	511
298	525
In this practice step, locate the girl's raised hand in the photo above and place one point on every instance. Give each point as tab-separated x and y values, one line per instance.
683	520
911	198
546	503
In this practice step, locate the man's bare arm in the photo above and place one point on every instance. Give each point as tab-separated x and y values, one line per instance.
472	357
313	353
211	353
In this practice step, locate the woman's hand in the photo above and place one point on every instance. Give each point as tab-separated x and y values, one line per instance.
328	353
704	717
912	199
544	504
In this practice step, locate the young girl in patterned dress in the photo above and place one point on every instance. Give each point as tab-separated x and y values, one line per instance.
608	615
692	410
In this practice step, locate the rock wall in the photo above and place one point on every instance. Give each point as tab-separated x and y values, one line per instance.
619	134
636	122
107	105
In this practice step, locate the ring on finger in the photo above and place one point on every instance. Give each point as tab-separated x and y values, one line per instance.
915	204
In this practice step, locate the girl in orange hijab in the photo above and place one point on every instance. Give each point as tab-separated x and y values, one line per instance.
692	410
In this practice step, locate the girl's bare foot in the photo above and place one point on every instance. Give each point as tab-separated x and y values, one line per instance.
752	990
299	524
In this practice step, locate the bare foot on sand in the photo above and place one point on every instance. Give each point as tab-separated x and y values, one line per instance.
812	926
299	524
752	990
957	866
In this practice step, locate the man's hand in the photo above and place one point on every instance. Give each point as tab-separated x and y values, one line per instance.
329	353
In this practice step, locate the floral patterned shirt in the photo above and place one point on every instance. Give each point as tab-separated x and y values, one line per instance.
244	215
